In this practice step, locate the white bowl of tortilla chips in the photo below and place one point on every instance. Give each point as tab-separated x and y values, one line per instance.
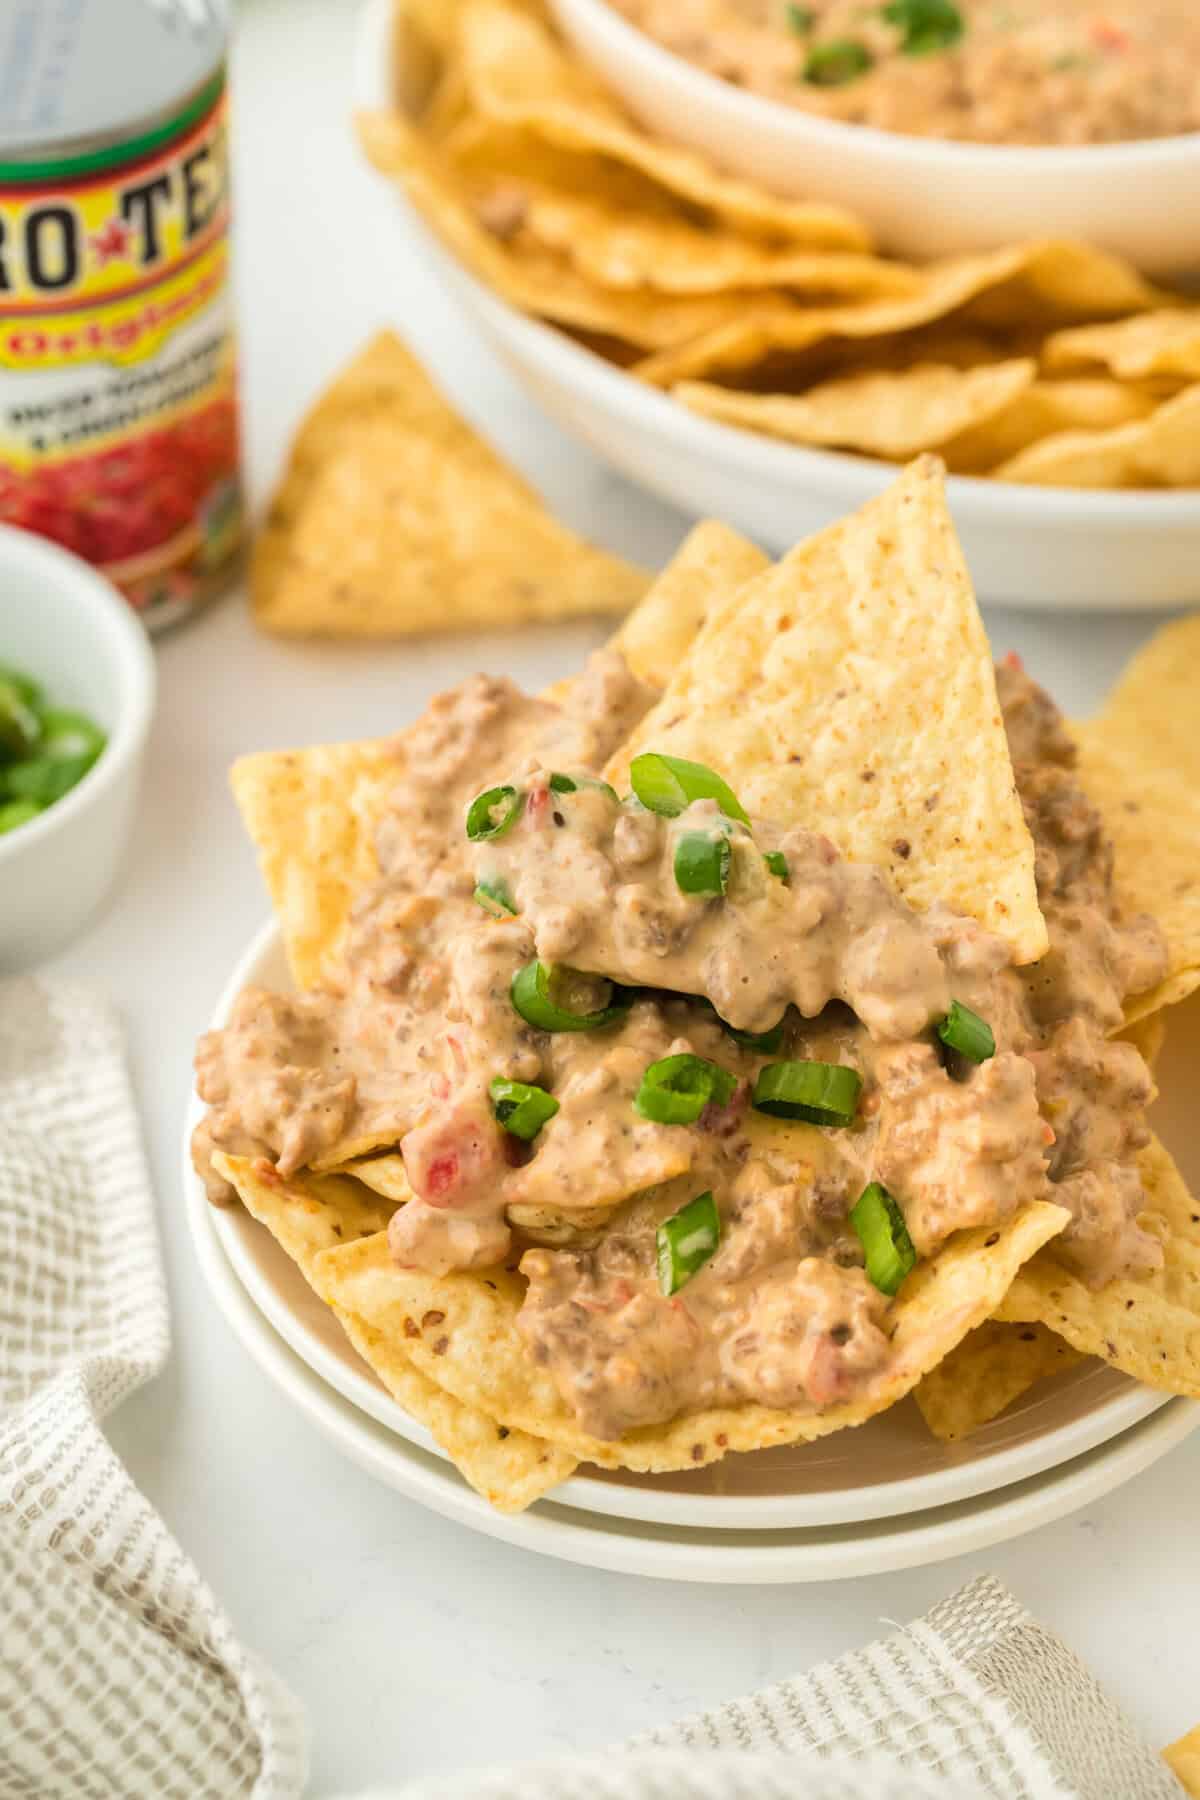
861	651
949	361
921	196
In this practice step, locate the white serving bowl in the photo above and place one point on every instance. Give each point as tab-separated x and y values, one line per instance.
919	196
1056	549
64	625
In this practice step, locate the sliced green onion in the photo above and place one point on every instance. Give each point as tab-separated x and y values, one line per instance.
20	727
669	784
821	1093
570	784
17	812
883	1234
837	62
45	779
777	863
686	1241
702	860
800	19
927	24
30	690
676	1089
69	734
493	813
520	1108
495	899
538	991
966	1032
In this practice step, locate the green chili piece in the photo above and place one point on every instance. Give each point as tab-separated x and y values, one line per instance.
686	1241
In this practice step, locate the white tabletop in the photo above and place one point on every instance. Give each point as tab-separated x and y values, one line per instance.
415	1644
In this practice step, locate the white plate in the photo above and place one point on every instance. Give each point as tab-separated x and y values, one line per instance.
888	1468
1051	548
678	1554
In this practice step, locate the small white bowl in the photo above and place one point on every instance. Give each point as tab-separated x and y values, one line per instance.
64	625
920	196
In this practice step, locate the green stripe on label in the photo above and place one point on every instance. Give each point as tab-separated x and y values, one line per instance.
115	156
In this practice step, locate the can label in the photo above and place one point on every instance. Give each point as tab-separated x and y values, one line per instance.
118	401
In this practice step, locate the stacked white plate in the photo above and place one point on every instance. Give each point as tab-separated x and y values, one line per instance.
885	1496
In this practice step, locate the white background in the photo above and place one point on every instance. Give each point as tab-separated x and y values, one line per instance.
415	1644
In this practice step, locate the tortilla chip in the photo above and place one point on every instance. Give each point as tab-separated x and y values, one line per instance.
1084	404
311	815
536	281
1147	1034
711	564
1153	816
517	74
1044	281
1162	450
1152	709
838	692
1183	1758
1166	342
894	416
993	1366
509	1468
475	1351
1148	1325
394	517
384	1175
659	251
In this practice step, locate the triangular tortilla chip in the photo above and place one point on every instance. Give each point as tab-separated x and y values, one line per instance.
850	689
1153	817
993	1366
395	517
1166	342
312	814
1161	450
1051	280
518	75
509	1468
476	1352
537	281
1152	709
1146	1325
895	416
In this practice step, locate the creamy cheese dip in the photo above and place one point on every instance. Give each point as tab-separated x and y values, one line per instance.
405	1047
983	71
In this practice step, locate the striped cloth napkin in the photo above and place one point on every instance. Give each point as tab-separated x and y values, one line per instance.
120	1674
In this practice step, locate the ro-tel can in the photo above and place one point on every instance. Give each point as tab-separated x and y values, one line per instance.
118	380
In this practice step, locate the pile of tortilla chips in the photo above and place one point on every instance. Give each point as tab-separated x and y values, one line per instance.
1046	362
860	651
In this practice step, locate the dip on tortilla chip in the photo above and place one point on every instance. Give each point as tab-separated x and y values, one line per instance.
646	1130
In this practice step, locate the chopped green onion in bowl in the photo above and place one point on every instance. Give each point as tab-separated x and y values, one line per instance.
45	750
